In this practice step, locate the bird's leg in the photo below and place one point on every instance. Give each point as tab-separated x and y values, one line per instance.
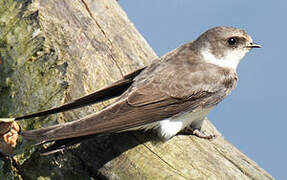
195	129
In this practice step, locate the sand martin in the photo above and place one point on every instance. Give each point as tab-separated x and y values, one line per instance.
174	93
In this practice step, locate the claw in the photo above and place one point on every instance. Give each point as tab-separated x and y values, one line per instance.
198	132
202	134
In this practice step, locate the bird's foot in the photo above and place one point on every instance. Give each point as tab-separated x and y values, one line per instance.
198	132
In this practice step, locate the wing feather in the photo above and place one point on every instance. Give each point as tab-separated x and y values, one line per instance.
114	90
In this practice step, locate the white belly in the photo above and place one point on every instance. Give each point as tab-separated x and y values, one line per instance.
169	127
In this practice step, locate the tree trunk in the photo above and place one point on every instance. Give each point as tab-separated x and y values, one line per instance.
54	51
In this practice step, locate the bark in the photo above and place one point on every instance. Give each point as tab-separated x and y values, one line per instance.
54	51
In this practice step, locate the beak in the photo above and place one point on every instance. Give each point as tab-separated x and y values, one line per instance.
254	45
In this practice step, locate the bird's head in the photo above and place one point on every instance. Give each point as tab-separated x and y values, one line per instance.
225	46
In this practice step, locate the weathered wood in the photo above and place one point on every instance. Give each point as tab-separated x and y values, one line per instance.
55	51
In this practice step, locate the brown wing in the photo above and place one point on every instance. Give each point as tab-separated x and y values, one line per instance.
180	80
118	117
158	93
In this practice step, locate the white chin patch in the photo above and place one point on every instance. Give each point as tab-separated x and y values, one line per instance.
231	58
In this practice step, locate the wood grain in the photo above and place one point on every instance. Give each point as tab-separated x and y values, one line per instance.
55	51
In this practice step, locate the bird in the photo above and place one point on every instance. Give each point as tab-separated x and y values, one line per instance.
172	94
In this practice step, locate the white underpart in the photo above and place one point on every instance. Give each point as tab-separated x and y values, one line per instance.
169	127
231	58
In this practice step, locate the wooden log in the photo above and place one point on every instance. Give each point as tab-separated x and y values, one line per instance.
54	51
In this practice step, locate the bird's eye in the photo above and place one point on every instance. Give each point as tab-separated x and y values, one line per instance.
232	41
